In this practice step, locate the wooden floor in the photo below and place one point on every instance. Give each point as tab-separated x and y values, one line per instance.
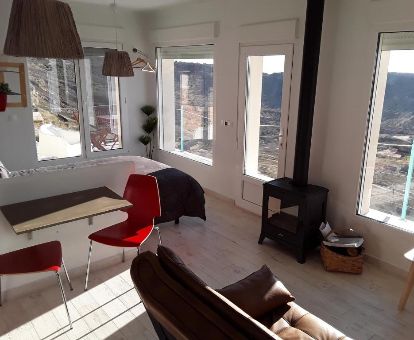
221	250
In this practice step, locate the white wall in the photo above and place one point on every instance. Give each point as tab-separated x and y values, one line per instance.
95	24
231	18
17	146
344	89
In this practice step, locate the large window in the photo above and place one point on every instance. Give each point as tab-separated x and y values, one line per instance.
186	101
263	115
102	98
63	127
54	94
387	188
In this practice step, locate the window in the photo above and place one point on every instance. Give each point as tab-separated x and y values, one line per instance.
63	127
263	113
387	188
54	94
102	99
264	96
186	101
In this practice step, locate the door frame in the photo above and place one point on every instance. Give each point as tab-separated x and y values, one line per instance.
261	50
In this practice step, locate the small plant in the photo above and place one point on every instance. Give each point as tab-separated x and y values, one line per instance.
4	88
4	91
149	128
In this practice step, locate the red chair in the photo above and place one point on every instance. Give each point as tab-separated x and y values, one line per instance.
46	257
142	192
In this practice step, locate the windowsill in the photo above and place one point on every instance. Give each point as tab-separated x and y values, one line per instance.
259	178
390	220
191	156
78	164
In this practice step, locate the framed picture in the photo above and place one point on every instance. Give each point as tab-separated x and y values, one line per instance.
14	75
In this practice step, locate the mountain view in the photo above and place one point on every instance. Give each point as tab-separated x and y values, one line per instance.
394	146
55	97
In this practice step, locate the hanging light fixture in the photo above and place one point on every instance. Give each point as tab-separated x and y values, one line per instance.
117	63
42	29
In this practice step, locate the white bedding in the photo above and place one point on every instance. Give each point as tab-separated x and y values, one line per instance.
142	166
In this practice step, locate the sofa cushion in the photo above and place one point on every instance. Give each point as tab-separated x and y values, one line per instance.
298	323
259	293
228	310
173	262
178	310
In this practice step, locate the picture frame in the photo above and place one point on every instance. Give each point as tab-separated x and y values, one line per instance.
14	74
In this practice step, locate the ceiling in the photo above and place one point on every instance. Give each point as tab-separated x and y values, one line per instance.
138	4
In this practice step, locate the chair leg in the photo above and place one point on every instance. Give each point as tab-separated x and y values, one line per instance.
1	300
88	266
64	298
123	254
159	235
67	275
408	288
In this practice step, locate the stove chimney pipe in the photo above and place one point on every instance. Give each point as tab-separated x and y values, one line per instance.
310	63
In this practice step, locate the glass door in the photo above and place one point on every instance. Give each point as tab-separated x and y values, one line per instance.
264	96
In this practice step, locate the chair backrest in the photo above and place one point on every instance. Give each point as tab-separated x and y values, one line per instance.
174	310
142	192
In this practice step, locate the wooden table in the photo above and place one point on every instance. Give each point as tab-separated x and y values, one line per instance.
410	281
26	217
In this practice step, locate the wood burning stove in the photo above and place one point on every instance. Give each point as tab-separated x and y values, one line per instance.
300	232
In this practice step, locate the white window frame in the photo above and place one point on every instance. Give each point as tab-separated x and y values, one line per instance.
84	130
372	137
255	183
89	154
246	183
185	155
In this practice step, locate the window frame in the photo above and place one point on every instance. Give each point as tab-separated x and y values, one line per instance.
86	152
392	221
264	50
160	132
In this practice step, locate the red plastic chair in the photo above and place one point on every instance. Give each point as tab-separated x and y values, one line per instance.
142	192
45	257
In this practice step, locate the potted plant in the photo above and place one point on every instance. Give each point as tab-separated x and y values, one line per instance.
149	128
4	91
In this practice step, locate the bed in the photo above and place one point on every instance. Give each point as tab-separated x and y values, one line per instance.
180	194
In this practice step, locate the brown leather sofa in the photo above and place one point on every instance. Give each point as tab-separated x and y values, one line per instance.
181	306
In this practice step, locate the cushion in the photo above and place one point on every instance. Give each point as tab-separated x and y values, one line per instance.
180	312
259	293
228	310
173	263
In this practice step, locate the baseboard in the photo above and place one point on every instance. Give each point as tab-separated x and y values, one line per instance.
386	267
214	194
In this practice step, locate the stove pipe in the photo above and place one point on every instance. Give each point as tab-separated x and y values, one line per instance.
310	63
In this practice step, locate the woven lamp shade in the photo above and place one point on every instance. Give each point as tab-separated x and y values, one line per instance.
117	64
42	29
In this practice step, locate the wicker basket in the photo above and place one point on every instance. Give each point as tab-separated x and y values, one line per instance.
334	262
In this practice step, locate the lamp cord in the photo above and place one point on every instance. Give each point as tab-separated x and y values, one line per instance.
116	26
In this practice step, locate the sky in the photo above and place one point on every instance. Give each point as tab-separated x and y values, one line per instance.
401	61
271	64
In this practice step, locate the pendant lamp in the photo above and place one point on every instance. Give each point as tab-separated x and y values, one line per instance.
42	29
117	63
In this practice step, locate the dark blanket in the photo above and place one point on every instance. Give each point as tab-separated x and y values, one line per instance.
180	195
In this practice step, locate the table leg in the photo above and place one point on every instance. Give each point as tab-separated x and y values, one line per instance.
407	289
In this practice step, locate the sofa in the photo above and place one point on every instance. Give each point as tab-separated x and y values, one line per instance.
181	306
